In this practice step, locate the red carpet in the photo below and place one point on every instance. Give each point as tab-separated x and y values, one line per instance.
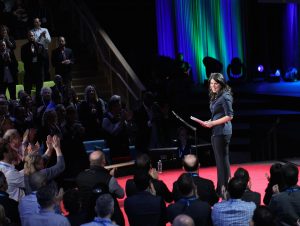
257	173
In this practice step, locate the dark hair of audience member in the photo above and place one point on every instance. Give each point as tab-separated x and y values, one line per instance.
71	200
46	195
242	174
263	216
37	180
186	184
143	161
236	188
142	179
104	205
191	168
290	174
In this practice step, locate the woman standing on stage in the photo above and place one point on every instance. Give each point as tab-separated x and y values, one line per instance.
220	122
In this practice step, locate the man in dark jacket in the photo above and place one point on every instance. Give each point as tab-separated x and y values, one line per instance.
33	57
205	187
62	60
98	180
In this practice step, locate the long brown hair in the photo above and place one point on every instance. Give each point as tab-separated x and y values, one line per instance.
219	78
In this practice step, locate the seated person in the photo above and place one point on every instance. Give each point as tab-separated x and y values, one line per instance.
233	211
205	187
189	203
248	196
143	162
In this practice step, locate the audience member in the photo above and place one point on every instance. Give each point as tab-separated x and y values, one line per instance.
183	220
42	36
233	211
9	40
73	205
275	178
114	126
248	196
95	180
8	71
20	19
286	204
15	178
62	60
104	209
4	221
28	204
90	112
205	187
143	162
144	208
189	203
33	56
262	216
10	205
183	143
143	119
47	198
35	162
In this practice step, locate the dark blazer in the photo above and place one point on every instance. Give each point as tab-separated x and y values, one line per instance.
220	107
160	188
57	57
12	65
27	56
145	209
286	206
205	189
252	196
11	208
198	210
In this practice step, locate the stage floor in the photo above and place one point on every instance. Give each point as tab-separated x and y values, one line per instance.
256	170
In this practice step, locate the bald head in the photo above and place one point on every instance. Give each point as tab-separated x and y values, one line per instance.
190	163
97	158
183	220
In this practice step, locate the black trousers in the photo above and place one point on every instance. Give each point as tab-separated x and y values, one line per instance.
11	88
220	144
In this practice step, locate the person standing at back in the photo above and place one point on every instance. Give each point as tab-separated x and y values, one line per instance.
33	57
42	36
62	60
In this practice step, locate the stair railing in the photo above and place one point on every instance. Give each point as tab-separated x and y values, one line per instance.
123	80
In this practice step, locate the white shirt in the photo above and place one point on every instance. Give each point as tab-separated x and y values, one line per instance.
41	39
15	181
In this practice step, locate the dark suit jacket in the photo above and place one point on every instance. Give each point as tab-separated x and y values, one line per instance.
251	196
11	208
12	65
205	189
57	57
160	188
286	206
198	210
27	57
145	209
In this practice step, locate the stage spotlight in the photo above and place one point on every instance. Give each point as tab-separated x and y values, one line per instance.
236	69
212	65
291	75
274	77
260	68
